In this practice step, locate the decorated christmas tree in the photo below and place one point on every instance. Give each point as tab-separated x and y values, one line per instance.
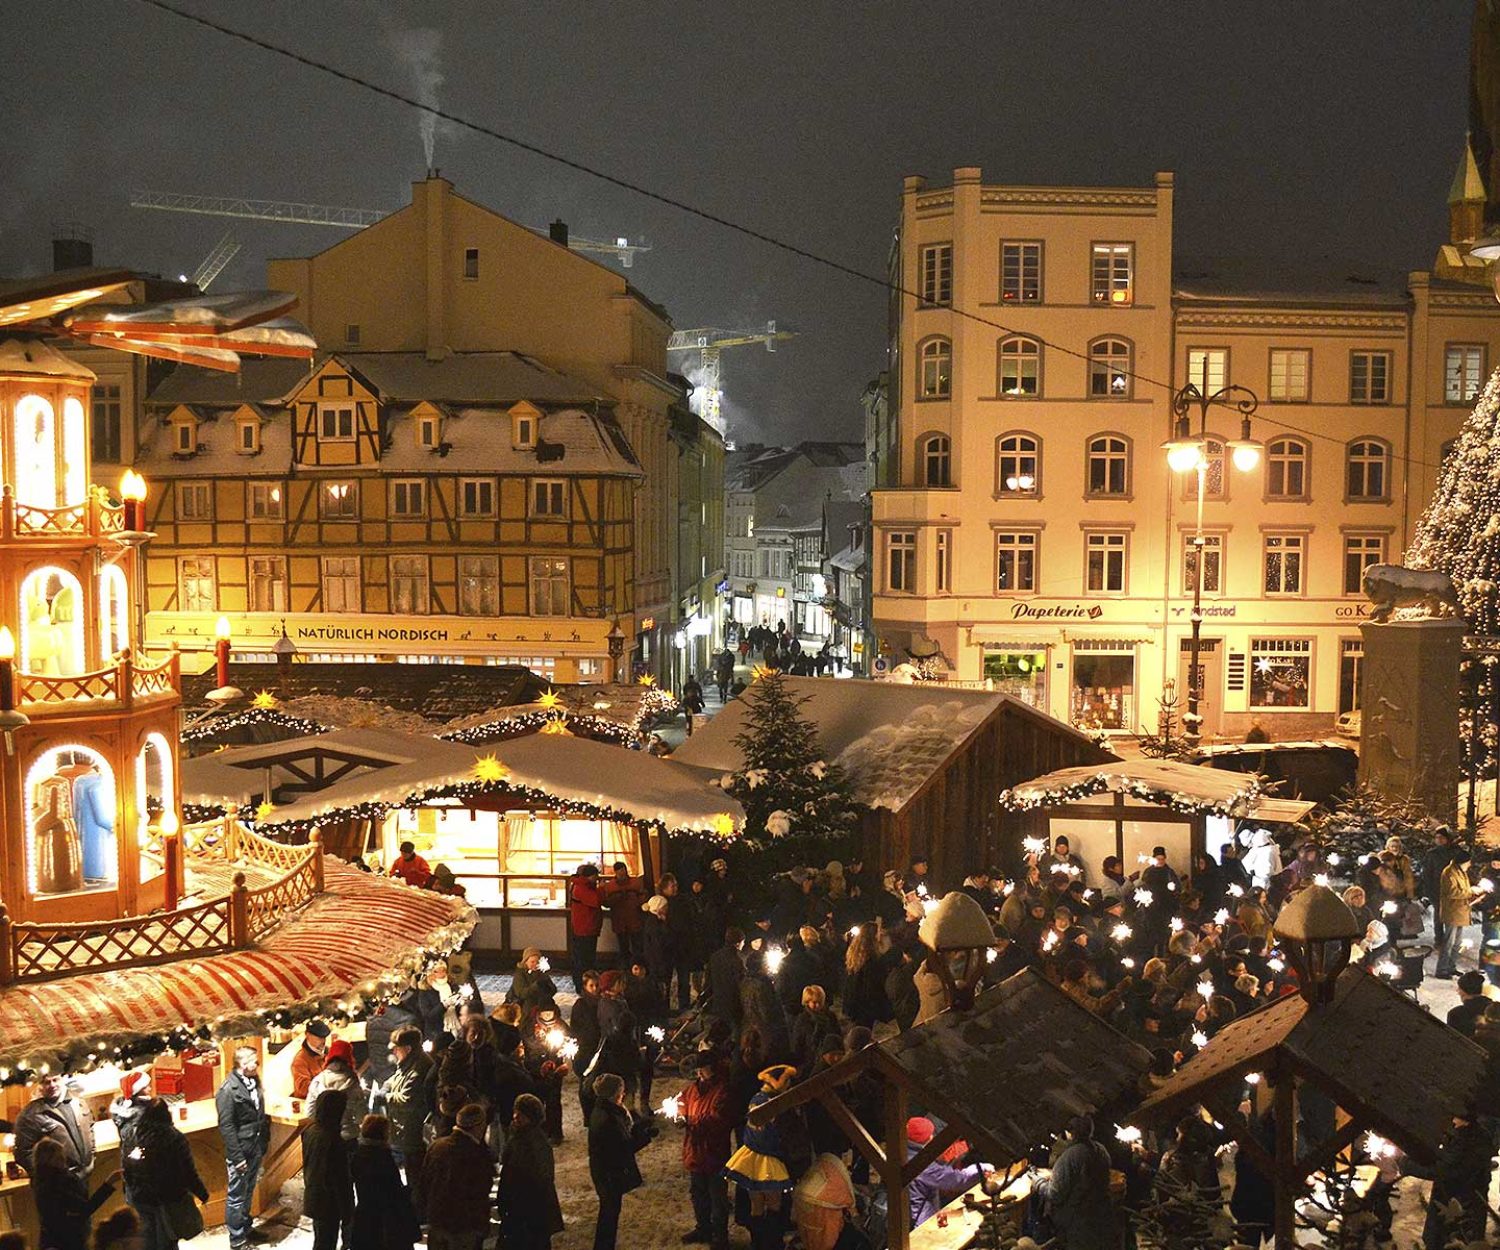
1459	532
786	786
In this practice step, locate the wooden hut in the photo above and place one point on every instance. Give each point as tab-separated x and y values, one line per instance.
927	762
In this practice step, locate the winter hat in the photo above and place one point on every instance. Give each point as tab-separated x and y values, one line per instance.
340	1049
318	1028
919	1130
471	1117
131	1083
529	952
656	905
718	864
610	980
777	1077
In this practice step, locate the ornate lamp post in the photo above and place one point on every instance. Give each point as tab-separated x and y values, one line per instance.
1188	453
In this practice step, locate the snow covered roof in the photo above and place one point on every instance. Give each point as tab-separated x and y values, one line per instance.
479	441
35	358
402	766
1188	788
889	739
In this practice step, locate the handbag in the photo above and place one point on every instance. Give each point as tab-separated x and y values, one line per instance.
185	1218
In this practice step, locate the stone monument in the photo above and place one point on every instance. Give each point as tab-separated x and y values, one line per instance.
1409	747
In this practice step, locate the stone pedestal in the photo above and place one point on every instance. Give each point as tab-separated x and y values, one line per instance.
1409	712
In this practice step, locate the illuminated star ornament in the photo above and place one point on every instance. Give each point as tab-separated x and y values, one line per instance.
550	700
264	701
645	679
488	768
723	825
211	331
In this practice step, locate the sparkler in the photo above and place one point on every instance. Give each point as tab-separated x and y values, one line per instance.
1121	932
1205	990
774	957
1199	1039
1236	890
1485	885
656	1033
555	1039
1176	923
1252	1078
1388	908
1333	859
921	891
568	1051
1172	886
670	1108
1321	879
991	955
1049	940
1034	846
1221	916
1127	963
1276	965
1377	1147
544	964
1144	897
1128	1134
1387	969
854	932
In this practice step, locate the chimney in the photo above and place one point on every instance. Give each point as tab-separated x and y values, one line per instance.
558	232
72	246
433	196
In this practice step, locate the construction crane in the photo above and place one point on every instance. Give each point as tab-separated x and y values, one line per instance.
290	212
213	264
708	342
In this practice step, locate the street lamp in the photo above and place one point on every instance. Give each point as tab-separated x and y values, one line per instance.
1188	453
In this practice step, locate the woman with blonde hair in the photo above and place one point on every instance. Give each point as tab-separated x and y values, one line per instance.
812	1027
864	978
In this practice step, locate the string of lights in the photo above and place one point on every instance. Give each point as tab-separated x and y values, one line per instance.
671	201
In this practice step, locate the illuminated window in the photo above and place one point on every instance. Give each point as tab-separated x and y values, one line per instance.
1369	469
1213	563
1113	276
935	264
1018	464
1208	368
935	369
341	584
36	453
1291	369
195	580
410	590
549	586
1108	465
1020	368
155	793
1463	372
1280	672
1287	469
936	458
265	501
1020	273
477	497
52	623
267	584
339	501
71	813
479	585
1214	480
1109	369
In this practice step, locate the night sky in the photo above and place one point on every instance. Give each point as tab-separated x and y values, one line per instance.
1300	133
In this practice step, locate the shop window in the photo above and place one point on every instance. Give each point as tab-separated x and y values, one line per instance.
70	822
1280	673
1020	674
114	611
52	623
1103	695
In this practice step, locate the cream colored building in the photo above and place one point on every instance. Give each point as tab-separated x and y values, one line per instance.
1035	531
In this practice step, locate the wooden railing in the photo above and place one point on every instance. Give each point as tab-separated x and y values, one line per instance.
96	517
40	952
123	682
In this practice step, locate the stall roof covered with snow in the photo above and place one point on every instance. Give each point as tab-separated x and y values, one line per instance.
928	761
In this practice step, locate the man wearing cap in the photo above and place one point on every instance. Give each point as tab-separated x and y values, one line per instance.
623	895
456	1179
708	1121
411	867
310	1057
53	1114
585	919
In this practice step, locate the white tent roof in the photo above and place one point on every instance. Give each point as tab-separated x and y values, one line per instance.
1169	782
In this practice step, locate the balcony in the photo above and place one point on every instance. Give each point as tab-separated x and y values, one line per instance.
95	518
125	684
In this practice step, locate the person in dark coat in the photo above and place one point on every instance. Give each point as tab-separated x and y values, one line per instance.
159	1171
1471	1003
64	1205
620	1043
456	1179
328	1192
530	1214
246	1130
656	943
472	1061
613	1145
815	1024
545	1043
531	986
864	980
760	1008
584	1021
901	988
384	1218
1463	1176
407	1096
1078	1191
682	941
726	969
799	969
53	1114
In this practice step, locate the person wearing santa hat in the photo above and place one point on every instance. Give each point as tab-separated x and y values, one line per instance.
125	1112
339	1073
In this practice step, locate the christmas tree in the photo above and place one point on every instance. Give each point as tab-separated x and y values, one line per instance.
1459	532
785	786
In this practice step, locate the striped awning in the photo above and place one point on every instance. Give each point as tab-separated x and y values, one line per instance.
361	931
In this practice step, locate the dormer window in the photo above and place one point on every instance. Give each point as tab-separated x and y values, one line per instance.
247	436
336	422
184	435
429	432
523	429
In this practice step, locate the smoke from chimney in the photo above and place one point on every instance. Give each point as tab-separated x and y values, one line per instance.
420	52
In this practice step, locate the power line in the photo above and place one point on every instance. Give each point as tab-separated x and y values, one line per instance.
625	184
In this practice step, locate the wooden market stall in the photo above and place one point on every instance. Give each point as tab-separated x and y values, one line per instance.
926	761
1006	1075
1127	807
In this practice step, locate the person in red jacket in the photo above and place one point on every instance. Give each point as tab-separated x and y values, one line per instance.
623	895
411	867
585	919
706	1108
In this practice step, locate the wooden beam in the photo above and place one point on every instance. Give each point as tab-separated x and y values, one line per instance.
1286	1158
1329	1150
859	1136
940	1142
897	1199
805	1091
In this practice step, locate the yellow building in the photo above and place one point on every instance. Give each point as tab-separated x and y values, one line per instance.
1034	530
447	276
462	507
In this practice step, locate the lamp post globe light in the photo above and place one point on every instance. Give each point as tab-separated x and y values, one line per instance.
1187	452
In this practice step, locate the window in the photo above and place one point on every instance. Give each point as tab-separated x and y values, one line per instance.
936	460
195	501
249	432
1286	469
935	369
351	334
944	561
477	497
901	561
1015	562
1208	368
522	431
1108	465
1361	551
936	276
549	498
1213	472
1284	563
339	501
106	422
185	437
1104	565
336	422
1280	672
1213	563
409	590
1290	370
1463	372
1109	369
1020	368
1103	695
341	584
195	577
471	263
267	584
1369	377
429	432
479	585
1351	661
1112	273
549	586
1020	273
1017	464
1368	476
265	501
409	497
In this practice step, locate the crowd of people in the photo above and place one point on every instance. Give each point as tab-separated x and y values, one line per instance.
447	1117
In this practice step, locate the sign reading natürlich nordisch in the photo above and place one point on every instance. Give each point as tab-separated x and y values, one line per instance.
364	633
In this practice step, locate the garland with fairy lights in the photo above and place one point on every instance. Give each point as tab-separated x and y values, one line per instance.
212	730
1030	797
595	727
90	1051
